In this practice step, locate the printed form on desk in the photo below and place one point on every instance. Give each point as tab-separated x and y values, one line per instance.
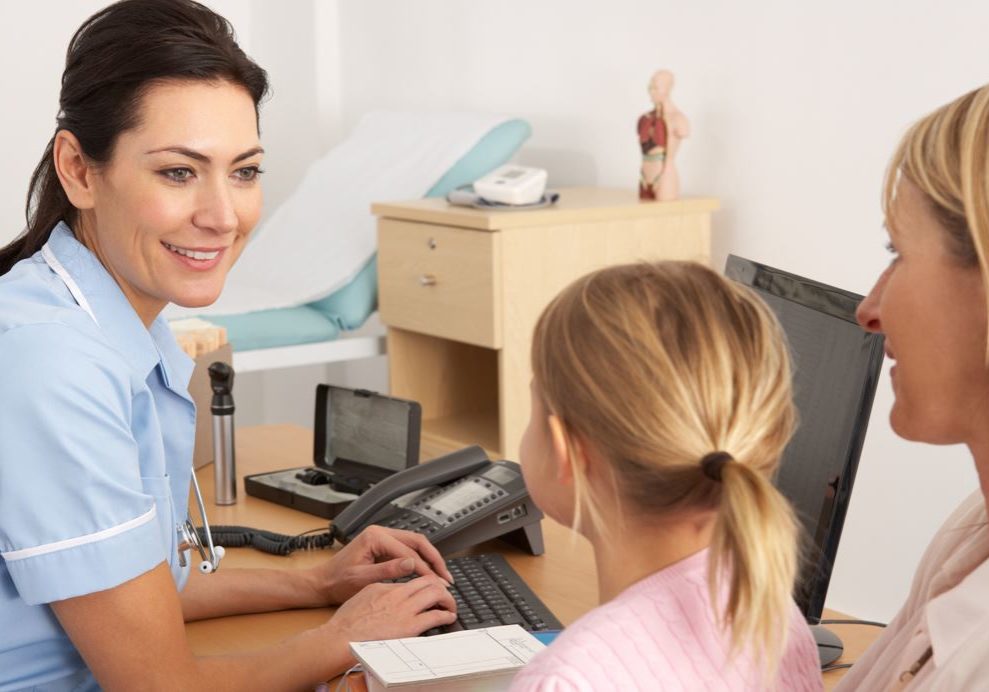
483	660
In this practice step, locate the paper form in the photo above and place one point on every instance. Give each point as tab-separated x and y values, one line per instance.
458	655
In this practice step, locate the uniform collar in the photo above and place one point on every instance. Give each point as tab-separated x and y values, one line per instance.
960	614
142	347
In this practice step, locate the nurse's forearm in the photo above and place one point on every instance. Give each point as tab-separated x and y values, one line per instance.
239	591
132	638
297	663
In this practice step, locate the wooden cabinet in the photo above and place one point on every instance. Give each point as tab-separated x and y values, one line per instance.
461	290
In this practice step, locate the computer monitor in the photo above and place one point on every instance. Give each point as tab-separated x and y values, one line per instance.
836	368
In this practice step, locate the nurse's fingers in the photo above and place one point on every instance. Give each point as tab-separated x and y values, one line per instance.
427	592
392	543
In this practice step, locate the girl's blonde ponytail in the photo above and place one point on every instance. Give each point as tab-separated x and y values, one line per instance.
752	551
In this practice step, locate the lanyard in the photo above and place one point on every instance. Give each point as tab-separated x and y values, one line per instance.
69	282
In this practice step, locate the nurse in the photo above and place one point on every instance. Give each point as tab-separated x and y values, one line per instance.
145	196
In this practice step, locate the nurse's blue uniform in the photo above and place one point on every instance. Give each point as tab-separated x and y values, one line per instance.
96	437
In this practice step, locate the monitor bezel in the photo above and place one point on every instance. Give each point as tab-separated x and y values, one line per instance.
841	304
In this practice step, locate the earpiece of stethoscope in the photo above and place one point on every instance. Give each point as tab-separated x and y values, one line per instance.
189	537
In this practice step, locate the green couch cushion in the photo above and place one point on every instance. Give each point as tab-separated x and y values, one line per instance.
271	328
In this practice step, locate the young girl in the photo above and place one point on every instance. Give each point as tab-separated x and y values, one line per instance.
661	404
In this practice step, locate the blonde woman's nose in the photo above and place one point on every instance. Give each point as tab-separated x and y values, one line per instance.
867	313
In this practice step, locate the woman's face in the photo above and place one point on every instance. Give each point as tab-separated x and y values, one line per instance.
174	207
932	311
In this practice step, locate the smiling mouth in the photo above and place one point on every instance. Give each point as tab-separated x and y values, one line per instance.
192	254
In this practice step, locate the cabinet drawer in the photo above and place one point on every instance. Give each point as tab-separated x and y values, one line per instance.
440	280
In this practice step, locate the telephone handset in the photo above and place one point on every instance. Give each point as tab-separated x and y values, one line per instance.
455	501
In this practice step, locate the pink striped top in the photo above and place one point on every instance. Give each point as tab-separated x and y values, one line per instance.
661	634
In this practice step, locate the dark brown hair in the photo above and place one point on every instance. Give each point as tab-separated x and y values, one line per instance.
112	60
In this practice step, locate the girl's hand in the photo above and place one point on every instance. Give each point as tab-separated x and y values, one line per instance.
375	555
390	611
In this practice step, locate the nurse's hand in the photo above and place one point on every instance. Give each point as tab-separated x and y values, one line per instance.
375	555
389	611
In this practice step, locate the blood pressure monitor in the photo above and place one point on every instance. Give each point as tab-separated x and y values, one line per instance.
512	184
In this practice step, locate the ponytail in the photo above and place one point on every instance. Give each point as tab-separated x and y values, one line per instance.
752	549
46	205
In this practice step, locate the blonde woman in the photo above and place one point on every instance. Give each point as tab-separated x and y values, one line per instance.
931	305
661	404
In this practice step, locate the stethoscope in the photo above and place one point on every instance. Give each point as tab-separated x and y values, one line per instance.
188	536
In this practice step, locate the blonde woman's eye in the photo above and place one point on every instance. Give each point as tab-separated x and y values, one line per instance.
177	175
893	251
248	173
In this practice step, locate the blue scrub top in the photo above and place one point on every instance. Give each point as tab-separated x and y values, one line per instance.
96	437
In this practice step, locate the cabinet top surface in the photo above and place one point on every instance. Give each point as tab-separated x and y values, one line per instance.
577	204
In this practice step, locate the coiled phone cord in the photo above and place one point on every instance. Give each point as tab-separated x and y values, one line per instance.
268	541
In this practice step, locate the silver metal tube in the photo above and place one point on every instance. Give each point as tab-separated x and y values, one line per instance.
224	464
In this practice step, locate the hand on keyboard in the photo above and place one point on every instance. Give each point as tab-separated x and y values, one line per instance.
488	593
391	611
375	555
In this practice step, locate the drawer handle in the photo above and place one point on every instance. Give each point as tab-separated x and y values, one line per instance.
431	243
427	280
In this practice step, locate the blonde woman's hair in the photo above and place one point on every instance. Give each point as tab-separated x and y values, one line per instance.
946	155
655	366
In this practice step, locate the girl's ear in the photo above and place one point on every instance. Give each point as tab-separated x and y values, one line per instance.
74	170
566	450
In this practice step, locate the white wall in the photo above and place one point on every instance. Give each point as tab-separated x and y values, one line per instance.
795	109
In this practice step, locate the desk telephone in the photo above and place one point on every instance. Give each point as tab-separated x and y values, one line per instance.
456	501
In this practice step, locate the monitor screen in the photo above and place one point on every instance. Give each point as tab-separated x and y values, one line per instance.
836	368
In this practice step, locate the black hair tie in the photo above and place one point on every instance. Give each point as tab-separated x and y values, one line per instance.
713	463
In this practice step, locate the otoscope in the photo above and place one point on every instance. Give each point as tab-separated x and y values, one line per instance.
221	377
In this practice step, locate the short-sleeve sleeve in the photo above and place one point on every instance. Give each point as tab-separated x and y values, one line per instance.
74	517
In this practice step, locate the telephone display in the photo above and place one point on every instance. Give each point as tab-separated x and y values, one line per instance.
456	501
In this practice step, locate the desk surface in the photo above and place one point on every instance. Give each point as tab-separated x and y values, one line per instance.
564	577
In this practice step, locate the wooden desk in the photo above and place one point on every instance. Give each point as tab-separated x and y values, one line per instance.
564	577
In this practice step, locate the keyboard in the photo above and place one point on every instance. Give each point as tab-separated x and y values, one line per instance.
488	593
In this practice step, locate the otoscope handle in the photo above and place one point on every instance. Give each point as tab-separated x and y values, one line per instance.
221	377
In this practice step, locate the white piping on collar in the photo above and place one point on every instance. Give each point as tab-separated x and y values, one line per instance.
69	282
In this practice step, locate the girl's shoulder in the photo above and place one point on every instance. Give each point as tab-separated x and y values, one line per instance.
601	650
661	629
628	640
